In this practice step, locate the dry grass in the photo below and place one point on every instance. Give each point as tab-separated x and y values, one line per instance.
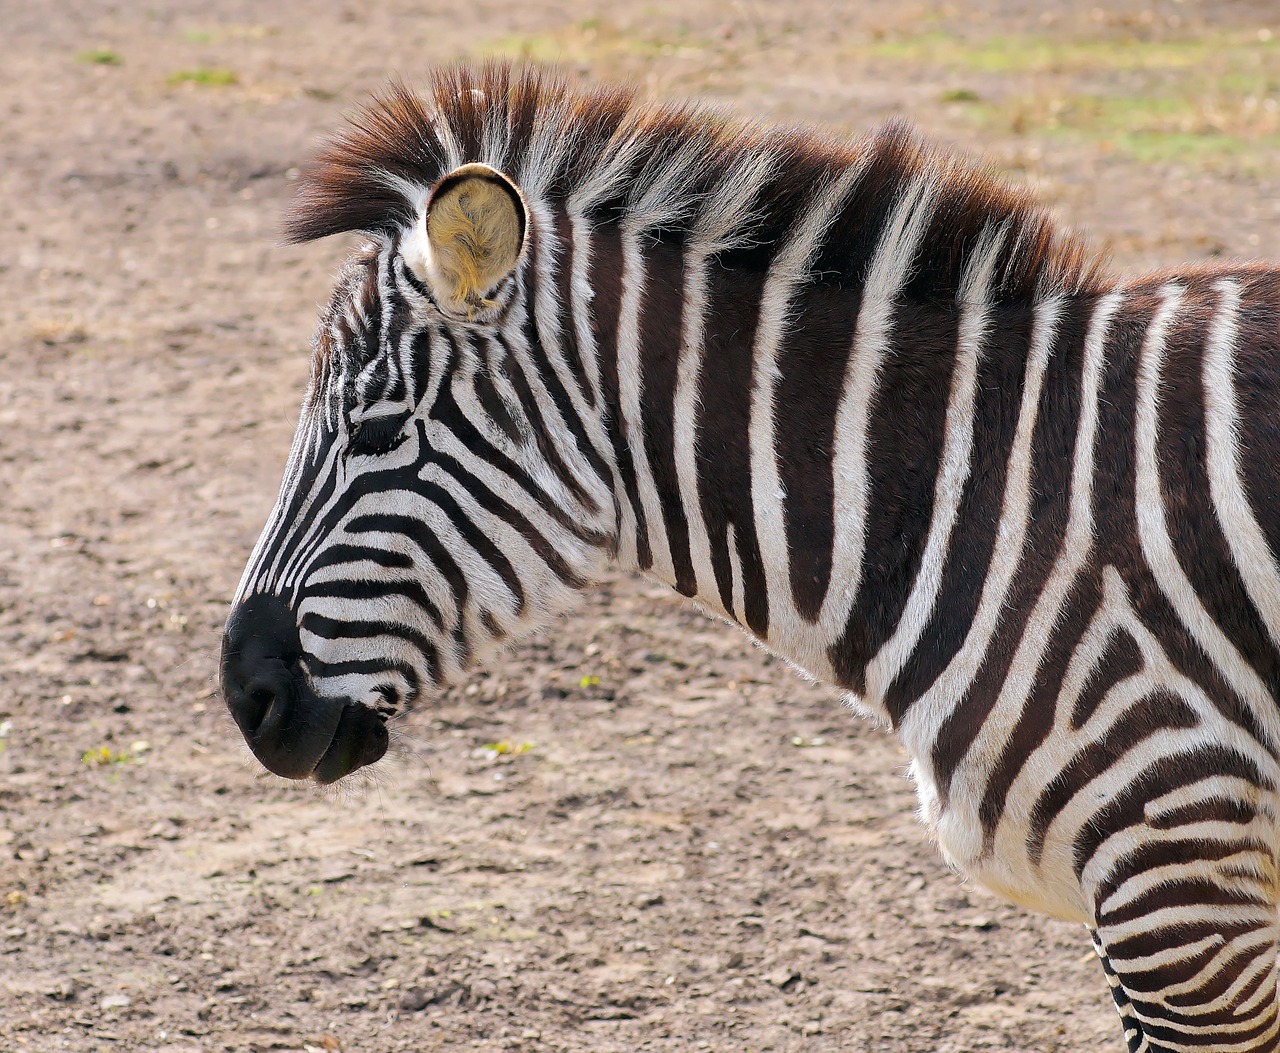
1211	101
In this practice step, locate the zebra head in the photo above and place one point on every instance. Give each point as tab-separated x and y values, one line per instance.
436	500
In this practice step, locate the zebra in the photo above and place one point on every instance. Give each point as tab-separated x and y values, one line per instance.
861	400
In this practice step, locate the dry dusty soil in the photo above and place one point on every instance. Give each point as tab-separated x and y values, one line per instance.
683	847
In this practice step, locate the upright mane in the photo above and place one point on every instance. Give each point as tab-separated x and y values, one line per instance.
677	171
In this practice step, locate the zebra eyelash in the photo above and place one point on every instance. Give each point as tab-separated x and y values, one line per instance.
377	428
379	435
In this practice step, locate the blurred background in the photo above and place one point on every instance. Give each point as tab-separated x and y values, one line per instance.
635	833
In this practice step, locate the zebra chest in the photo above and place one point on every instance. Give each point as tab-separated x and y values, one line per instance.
984	829
1034	790
998	859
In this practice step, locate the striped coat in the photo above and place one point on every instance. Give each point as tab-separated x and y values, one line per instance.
860	400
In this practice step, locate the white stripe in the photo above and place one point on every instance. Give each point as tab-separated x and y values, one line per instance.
737	607
888	273
684	427
1253	557
664	197
630	396
723	223
791	267
514	344
1153	530
553	135
290	546
551	258
954	683
581	294
612	175
1074	554
953	472
449	145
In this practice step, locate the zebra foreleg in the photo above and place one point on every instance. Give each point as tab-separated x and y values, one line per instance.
1191	985
1134	1041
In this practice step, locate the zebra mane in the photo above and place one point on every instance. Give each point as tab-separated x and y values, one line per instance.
681	172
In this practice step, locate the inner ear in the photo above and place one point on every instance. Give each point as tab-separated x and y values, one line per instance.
469	238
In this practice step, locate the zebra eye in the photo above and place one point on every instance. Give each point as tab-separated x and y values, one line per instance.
378	434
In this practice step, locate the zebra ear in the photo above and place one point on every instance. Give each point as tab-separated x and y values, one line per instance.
468	238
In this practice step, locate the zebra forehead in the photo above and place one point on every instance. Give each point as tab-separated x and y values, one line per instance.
683	170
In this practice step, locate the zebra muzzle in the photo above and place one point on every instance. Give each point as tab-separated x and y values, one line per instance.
291	730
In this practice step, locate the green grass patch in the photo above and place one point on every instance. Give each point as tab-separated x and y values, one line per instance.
206	76
1202	130
494	750
101	57
105	755
228	31
1210	101
1209	150
590	41
1042	54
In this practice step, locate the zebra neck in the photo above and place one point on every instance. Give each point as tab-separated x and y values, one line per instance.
818	464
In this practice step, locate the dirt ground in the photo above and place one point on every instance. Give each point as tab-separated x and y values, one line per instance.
681	846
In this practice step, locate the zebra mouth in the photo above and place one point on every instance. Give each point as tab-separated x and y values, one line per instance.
293	732
299	735
359	739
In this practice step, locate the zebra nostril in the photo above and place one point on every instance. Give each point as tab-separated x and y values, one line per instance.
253	703
259	701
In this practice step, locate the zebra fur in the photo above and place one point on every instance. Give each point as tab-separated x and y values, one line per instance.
875	409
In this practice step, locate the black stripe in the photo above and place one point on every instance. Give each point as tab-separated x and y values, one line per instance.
1150	715
363	590
549	377
1193	523
1163	777
562	277
342	554
294	524
497	507
904	453
541	434
436	554
417	531
328	628
1053	453
807	398
450	414
1116	503
660	327
320	669
1034	722
375	481
480	542
1120	660
606	279
1161	1033
1257	384
722	438
1180	892
1001	376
